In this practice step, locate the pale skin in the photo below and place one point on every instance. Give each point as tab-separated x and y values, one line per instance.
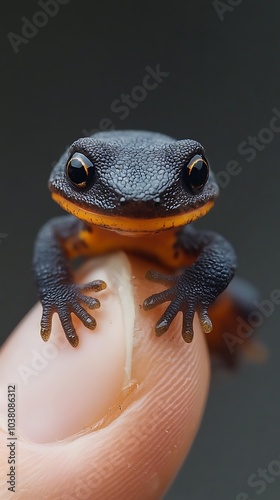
80	436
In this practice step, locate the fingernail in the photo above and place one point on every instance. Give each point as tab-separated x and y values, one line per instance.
61	389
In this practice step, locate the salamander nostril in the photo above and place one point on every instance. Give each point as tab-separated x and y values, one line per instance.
157	201
122	200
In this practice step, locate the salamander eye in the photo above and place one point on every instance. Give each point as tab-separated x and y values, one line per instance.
195	174
80	171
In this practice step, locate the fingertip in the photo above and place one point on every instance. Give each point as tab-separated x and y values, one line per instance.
148	423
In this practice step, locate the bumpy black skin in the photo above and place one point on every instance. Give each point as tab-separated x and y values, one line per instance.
198	287
138	175
56	289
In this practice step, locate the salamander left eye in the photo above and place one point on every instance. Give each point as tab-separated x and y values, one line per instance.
195	173
80	171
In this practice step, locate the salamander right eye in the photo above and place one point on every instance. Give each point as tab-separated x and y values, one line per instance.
80	171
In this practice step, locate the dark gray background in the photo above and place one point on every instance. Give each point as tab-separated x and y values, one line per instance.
224	81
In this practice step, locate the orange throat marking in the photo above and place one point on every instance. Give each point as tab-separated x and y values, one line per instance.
132	225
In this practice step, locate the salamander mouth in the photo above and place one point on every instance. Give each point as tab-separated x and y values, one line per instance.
133	225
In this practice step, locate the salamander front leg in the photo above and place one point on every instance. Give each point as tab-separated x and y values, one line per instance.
199	285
